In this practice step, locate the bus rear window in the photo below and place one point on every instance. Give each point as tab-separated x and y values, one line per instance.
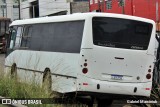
121	33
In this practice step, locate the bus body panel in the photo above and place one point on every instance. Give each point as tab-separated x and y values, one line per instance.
59	83
143	89
152	45
103	63
102	68
130	67
59	63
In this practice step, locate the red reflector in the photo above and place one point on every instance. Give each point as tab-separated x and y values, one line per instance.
85	64
85	83
84	70
148	76
149	70
147	89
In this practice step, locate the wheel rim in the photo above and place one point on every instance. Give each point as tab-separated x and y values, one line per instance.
47	80
14	71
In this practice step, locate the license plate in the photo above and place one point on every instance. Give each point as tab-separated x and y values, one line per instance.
116	77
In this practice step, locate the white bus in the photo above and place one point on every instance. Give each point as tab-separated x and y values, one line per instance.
95	54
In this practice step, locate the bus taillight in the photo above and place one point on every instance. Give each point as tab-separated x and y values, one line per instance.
147	88
85	83
148	76
85	64
149	70
84	70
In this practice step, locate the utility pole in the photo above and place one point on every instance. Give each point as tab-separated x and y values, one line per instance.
123	11
99	6
122	4
157	14
19	9
3	9
132	7
157	11
33	12
6	9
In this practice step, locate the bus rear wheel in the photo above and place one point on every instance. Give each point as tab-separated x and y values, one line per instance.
47	81
14	71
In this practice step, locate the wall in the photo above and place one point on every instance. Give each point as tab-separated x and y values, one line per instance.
2	9
25	14
47	7
141	8
81	7
12	10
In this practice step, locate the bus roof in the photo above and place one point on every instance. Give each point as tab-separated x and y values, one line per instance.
76	16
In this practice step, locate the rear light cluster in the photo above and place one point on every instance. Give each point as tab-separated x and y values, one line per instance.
148	76
85	69
147	88
85	83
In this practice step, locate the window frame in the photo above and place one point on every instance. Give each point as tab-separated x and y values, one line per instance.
132	47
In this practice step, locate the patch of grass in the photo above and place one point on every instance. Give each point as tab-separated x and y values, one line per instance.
11	88
14	89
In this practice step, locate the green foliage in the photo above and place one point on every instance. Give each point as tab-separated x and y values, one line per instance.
13	89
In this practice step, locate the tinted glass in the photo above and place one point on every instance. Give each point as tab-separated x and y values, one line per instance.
18	37
2	27
56	37
121	33
26	37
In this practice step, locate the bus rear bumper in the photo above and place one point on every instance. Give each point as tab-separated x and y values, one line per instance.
85	84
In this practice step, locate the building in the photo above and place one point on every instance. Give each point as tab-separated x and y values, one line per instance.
9	9
142	8
41	8
3	8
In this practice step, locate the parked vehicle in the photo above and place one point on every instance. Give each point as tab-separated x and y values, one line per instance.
93	54
4	25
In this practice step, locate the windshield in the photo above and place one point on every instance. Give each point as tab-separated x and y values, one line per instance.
121	33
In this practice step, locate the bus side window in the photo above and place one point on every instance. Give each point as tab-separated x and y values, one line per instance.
13	37
16	38
26	37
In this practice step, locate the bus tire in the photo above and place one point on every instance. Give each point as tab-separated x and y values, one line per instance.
90	104
47	80
105	102
14	71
